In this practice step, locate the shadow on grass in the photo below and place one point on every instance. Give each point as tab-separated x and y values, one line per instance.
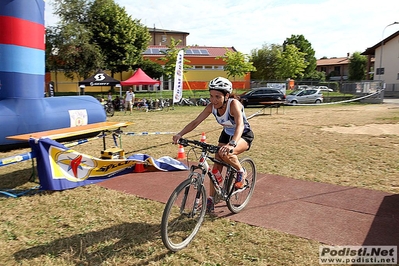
114	243
16	179
18	183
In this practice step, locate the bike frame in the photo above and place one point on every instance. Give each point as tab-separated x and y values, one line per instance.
223	192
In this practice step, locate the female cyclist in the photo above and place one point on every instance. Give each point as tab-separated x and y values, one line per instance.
236	134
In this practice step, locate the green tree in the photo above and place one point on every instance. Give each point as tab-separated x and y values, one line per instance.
69	41
305	47
265	62
152	69
318	75
357	67
52	44
237	64
171	57
71	11
121	39
290	63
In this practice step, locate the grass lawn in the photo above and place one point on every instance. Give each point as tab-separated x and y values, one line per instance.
92	225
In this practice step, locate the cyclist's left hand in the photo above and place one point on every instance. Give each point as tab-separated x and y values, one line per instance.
176	138
224	150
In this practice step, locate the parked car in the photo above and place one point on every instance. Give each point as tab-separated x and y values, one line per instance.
305	96
325	88
258	95
308	87
305	87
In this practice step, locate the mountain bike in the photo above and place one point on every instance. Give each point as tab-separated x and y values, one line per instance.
186	208
109	108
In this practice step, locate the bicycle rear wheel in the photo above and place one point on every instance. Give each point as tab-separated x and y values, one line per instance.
183	215
240	197
110	110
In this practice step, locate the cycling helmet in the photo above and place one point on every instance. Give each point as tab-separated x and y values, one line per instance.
221	84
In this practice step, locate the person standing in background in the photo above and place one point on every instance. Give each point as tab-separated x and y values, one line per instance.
129	100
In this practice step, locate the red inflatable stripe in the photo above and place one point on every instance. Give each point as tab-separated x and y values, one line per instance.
21	32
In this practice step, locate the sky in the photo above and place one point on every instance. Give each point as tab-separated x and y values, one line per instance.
333	27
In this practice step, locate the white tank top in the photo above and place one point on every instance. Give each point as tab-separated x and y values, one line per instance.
227	120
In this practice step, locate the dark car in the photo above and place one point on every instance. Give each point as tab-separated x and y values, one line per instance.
259	95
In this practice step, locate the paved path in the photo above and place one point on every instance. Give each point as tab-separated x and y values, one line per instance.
330	214
391	100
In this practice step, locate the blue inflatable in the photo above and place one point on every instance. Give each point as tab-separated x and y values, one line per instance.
23	107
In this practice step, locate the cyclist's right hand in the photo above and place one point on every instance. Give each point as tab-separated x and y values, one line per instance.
176	138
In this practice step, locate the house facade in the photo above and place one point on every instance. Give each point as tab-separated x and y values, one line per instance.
203	65
336	68
163	37
386	54
203	61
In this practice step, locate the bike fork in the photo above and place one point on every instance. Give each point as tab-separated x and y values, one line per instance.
197	201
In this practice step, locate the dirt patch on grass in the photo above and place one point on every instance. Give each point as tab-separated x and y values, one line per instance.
370	129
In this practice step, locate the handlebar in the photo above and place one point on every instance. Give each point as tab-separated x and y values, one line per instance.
206	147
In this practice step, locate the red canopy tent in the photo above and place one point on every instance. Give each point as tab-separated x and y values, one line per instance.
139	78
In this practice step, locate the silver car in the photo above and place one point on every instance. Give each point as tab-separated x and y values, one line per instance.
305	96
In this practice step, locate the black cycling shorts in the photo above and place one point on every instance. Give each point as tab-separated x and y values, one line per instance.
247	136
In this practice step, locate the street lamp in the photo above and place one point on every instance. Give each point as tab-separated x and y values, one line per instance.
382	44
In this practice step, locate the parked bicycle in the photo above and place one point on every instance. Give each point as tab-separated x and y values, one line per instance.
186	101
154	105
203	102
185	210
164	104
108	108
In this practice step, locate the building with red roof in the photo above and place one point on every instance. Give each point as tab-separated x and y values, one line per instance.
204	64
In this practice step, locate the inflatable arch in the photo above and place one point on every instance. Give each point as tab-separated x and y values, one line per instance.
23	107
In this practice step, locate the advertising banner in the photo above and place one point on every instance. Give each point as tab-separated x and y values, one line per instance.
60	168
178	84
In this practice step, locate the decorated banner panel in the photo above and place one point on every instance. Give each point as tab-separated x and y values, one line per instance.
60	168
78	117
178	83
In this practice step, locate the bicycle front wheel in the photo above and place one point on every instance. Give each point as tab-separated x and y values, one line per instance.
240	197
183	215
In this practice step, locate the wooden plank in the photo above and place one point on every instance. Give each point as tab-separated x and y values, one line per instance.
71	131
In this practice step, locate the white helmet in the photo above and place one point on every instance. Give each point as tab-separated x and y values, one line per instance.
221	84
